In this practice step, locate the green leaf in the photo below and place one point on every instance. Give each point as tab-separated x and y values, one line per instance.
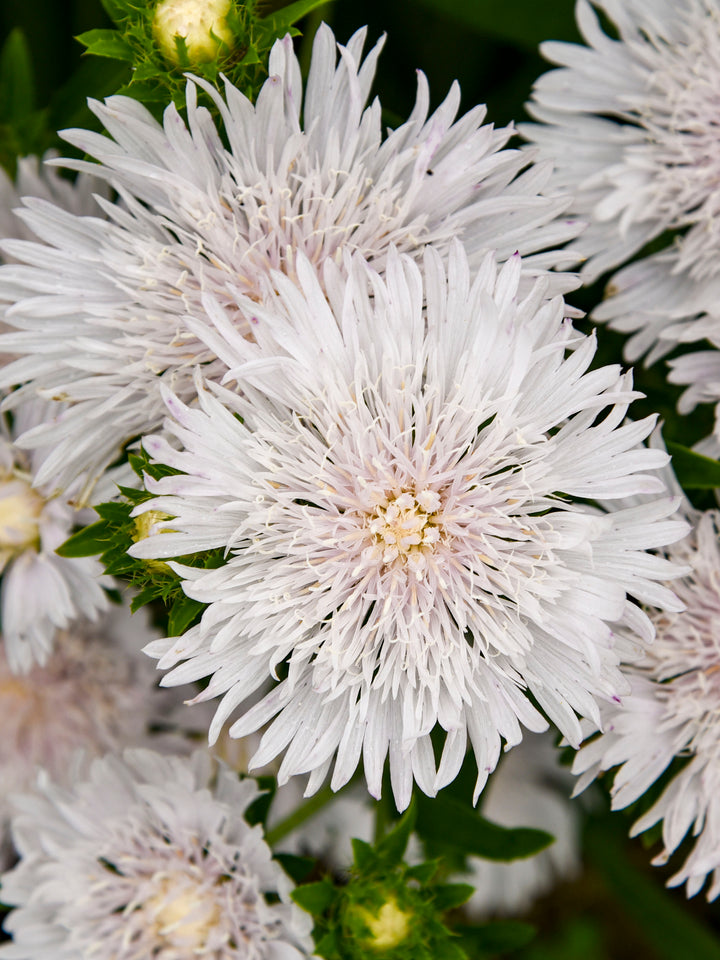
106	43
667	924
392	847
501	936
280	21
693	470
297	868
182	613
423	872
86	542
448	950
363	854
118	9
449	823
446	896
17	88
327	946
258	810
251	56
314	897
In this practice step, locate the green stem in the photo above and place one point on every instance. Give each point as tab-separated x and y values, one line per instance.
304	812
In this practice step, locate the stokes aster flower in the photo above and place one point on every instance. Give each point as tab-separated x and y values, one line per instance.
100	304
36	178
147	856
96	692
391	490
41	592
673	711
632	125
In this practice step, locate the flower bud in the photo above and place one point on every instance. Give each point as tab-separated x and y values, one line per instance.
201	23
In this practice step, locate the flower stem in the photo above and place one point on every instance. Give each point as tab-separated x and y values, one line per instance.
302	813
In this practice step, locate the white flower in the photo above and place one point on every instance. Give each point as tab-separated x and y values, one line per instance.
391	490
41	592
95	692
632	125
673	711
529	789
36	178
147	857
100	304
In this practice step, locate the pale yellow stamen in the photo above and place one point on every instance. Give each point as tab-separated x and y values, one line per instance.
20	509
405	527
174	903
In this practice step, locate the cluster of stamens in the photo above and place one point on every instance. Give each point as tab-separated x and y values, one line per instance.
404	527
20	509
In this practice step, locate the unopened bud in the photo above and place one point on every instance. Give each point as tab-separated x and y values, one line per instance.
201	23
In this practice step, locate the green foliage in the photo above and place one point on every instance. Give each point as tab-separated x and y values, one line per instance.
297	868
693	470
392	911
258	810
668	926
23	128
500	936
523	23
446	824
106	43
254	26
113	534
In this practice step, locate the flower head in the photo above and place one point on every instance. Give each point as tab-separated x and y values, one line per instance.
41	592
148	856
391	490
100	305
95	692
36	178
673	711
634	129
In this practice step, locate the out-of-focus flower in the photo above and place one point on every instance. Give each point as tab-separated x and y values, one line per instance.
673	711
632	125
147	856
41	592
96	692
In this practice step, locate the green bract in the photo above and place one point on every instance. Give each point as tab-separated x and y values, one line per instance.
111	535
388	909
249	31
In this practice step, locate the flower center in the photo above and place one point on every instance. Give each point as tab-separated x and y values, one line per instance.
405	527
183	914
20	509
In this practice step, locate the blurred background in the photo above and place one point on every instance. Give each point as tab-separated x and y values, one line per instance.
618	908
